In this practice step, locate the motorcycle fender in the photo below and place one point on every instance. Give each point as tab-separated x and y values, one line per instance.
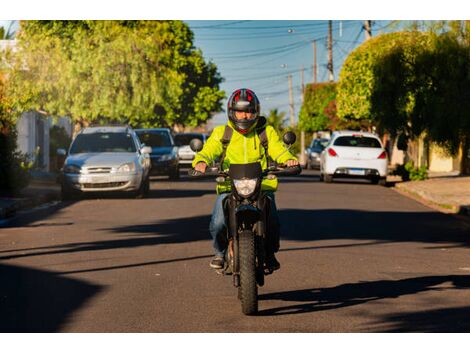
247	214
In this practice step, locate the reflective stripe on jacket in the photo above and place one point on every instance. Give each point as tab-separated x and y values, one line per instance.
244	149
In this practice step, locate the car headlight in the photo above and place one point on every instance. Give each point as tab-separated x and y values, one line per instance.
72	169
128	167
245	187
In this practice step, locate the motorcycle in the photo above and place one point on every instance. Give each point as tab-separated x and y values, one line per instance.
247	212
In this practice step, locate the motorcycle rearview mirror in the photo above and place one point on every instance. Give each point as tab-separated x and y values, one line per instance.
289	138
196	145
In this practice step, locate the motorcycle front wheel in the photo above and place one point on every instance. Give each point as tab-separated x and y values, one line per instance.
248	290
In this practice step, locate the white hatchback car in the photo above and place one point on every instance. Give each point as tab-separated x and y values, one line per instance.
354	154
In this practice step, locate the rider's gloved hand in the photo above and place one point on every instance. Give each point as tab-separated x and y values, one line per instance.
292	162
201	167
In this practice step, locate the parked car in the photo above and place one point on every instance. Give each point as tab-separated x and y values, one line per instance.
313	152
354	154
103	159
164	154
186	155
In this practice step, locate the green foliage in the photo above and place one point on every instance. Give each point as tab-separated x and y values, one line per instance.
410	83
358	77
14	166
318	112
409	172
145	73
58	138
276	119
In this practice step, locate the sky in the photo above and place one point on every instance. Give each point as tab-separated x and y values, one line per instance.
261	54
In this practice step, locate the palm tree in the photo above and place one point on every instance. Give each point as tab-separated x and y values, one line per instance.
276	119
9	33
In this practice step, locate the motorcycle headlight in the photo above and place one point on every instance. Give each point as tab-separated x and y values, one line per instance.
245	187
128	167
72	169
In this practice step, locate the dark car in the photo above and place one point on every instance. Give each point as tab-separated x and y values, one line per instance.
186	155
312	153
164	156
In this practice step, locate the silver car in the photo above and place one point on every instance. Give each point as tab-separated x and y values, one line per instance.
103	159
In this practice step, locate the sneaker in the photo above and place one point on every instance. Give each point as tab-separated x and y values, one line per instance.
217	262
272	263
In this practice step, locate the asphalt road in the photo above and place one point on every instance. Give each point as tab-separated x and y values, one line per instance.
354	258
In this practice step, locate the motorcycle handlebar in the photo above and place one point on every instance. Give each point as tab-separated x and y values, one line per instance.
280	170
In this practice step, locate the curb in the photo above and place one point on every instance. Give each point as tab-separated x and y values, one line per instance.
425	198
18	204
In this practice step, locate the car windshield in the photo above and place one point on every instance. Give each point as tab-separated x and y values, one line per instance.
103	143
357	141
319	144
155	138
184	139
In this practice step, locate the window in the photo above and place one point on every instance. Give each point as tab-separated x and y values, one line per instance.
103	143
155	138
357	141
185	139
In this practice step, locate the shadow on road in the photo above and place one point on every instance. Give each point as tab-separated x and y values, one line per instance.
169	231
313	300
322	224
39	301
434	321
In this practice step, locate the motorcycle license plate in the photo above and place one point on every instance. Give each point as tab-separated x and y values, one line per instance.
360	172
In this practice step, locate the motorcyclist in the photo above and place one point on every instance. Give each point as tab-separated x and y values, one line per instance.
244	118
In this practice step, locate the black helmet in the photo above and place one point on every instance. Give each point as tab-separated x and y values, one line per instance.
243	100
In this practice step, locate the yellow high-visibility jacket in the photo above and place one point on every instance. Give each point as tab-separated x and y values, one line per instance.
243	149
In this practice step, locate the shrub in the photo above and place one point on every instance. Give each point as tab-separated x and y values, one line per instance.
409	172
14	166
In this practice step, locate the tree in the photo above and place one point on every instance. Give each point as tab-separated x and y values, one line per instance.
366	88
318	110
277	119
145	73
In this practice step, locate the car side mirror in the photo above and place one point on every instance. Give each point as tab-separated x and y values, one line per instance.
289	138
61	152
196	145
146	150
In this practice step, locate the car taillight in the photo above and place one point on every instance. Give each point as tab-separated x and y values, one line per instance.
383	155
332	152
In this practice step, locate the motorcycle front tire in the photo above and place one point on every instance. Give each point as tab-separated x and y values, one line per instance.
248	290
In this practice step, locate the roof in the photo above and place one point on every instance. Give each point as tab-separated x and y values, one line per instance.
350	133
152	130
106	129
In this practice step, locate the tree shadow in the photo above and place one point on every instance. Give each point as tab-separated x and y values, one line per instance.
321	299
328	224
179	230
450	320
39	301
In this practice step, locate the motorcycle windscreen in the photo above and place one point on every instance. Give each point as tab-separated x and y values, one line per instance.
241	171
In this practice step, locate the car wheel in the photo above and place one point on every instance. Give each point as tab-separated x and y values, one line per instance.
66	193
143	189
383	182
327	178
175	174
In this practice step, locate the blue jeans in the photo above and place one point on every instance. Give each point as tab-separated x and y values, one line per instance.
218	225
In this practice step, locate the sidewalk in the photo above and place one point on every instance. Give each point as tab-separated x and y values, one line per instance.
43	188
447	193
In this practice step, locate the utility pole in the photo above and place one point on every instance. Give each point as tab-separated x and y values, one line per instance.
314	61
291	103
302	132
330	51
368	29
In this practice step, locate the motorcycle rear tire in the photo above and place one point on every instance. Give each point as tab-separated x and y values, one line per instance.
248	289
